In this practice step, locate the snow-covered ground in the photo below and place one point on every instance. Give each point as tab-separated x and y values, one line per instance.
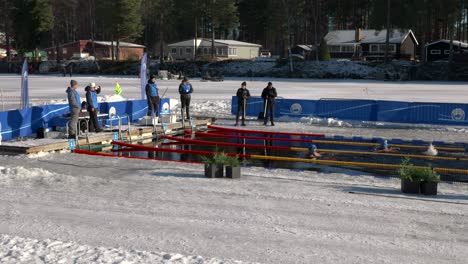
68	208
79	207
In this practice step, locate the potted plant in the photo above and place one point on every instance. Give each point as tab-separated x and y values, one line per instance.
233	169
410	177
214	165
429	182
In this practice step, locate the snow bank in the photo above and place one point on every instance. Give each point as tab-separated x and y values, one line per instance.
15	249
112	98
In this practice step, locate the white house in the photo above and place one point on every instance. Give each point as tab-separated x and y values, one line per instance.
225	49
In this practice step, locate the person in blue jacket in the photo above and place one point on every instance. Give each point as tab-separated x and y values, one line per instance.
93	107
74	103
185	91
152	96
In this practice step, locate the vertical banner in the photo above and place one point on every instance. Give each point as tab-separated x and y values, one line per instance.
143	77
24	85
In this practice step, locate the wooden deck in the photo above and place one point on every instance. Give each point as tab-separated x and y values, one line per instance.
136	134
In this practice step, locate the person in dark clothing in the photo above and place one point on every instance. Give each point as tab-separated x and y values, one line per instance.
74	103
93	107
243	96
152	96
185	91
269	94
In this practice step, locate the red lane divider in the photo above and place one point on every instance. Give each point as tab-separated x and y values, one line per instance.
227	144
91	153
246	131
216	135
196	152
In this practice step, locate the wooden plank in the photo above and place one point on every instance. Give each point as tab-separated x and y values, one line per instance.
138	134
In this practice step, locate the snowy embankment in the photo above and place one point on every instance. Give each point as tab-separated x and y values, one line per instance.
25	250
121	207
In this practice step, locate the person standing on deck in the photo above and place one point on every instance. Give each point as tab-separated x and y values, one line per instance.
185	91
243	96
269	94
152	95
93	107
74	102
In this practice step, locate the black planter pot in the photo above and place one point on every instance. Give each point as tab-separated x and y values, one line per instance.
408	186
233	172
429	188
214	170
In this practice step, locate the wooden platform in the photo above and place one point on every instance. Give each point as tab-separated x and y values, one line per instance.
136	134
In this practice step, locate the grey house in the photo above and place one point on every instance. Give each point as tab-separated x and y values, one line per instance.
371	44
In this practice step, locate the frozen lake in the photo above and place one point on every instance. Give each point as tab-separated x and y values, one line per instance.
46	88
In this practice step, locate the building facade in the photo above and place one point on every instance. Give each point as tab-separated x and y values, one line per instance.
371	44
224	49
102	50
440	50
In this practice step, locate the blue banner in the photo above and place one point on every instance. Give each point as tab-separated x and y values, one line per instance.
24	85
143	77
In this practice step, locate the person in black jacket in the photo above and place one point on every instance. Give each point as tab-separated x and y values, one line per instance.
185	91
152	96
93	107
243	96
269	94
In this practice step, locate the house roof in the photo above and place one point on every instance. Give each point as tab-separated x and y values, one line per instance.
455	43
306	47
121	43
340	37
207	42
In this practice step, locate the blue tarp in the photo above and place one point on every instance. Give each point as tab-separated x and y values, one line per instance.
365	110
22	123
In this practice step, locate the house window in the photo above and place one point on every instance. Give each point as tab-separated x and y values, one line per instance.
64	51
181	51
374	48
347	49
232	51
446	52
436	52
205	51
334	49
392	48
174	51
188	50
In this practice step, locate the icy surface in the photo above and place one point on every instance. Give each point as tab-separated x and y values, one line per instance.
43	89
269	216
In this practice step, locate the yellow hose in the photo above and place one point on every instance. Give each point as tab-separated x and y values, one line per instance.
382	154
363	144
353	164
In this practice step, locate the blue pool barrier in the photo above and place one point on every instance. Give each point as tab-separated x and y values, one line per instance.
365	110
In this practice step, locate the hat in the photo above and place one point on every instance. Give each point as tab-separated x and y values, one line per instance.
73	83
313	148
92	85
270	83
152	76
185	79
244	84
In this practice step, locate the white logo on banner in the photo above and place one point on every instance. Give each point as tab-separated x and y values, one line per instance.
165	108
458	114
296	109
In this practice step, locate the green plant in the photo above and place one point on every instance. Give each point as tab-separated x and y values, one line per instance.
218	158
324	51
409	172
232	161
